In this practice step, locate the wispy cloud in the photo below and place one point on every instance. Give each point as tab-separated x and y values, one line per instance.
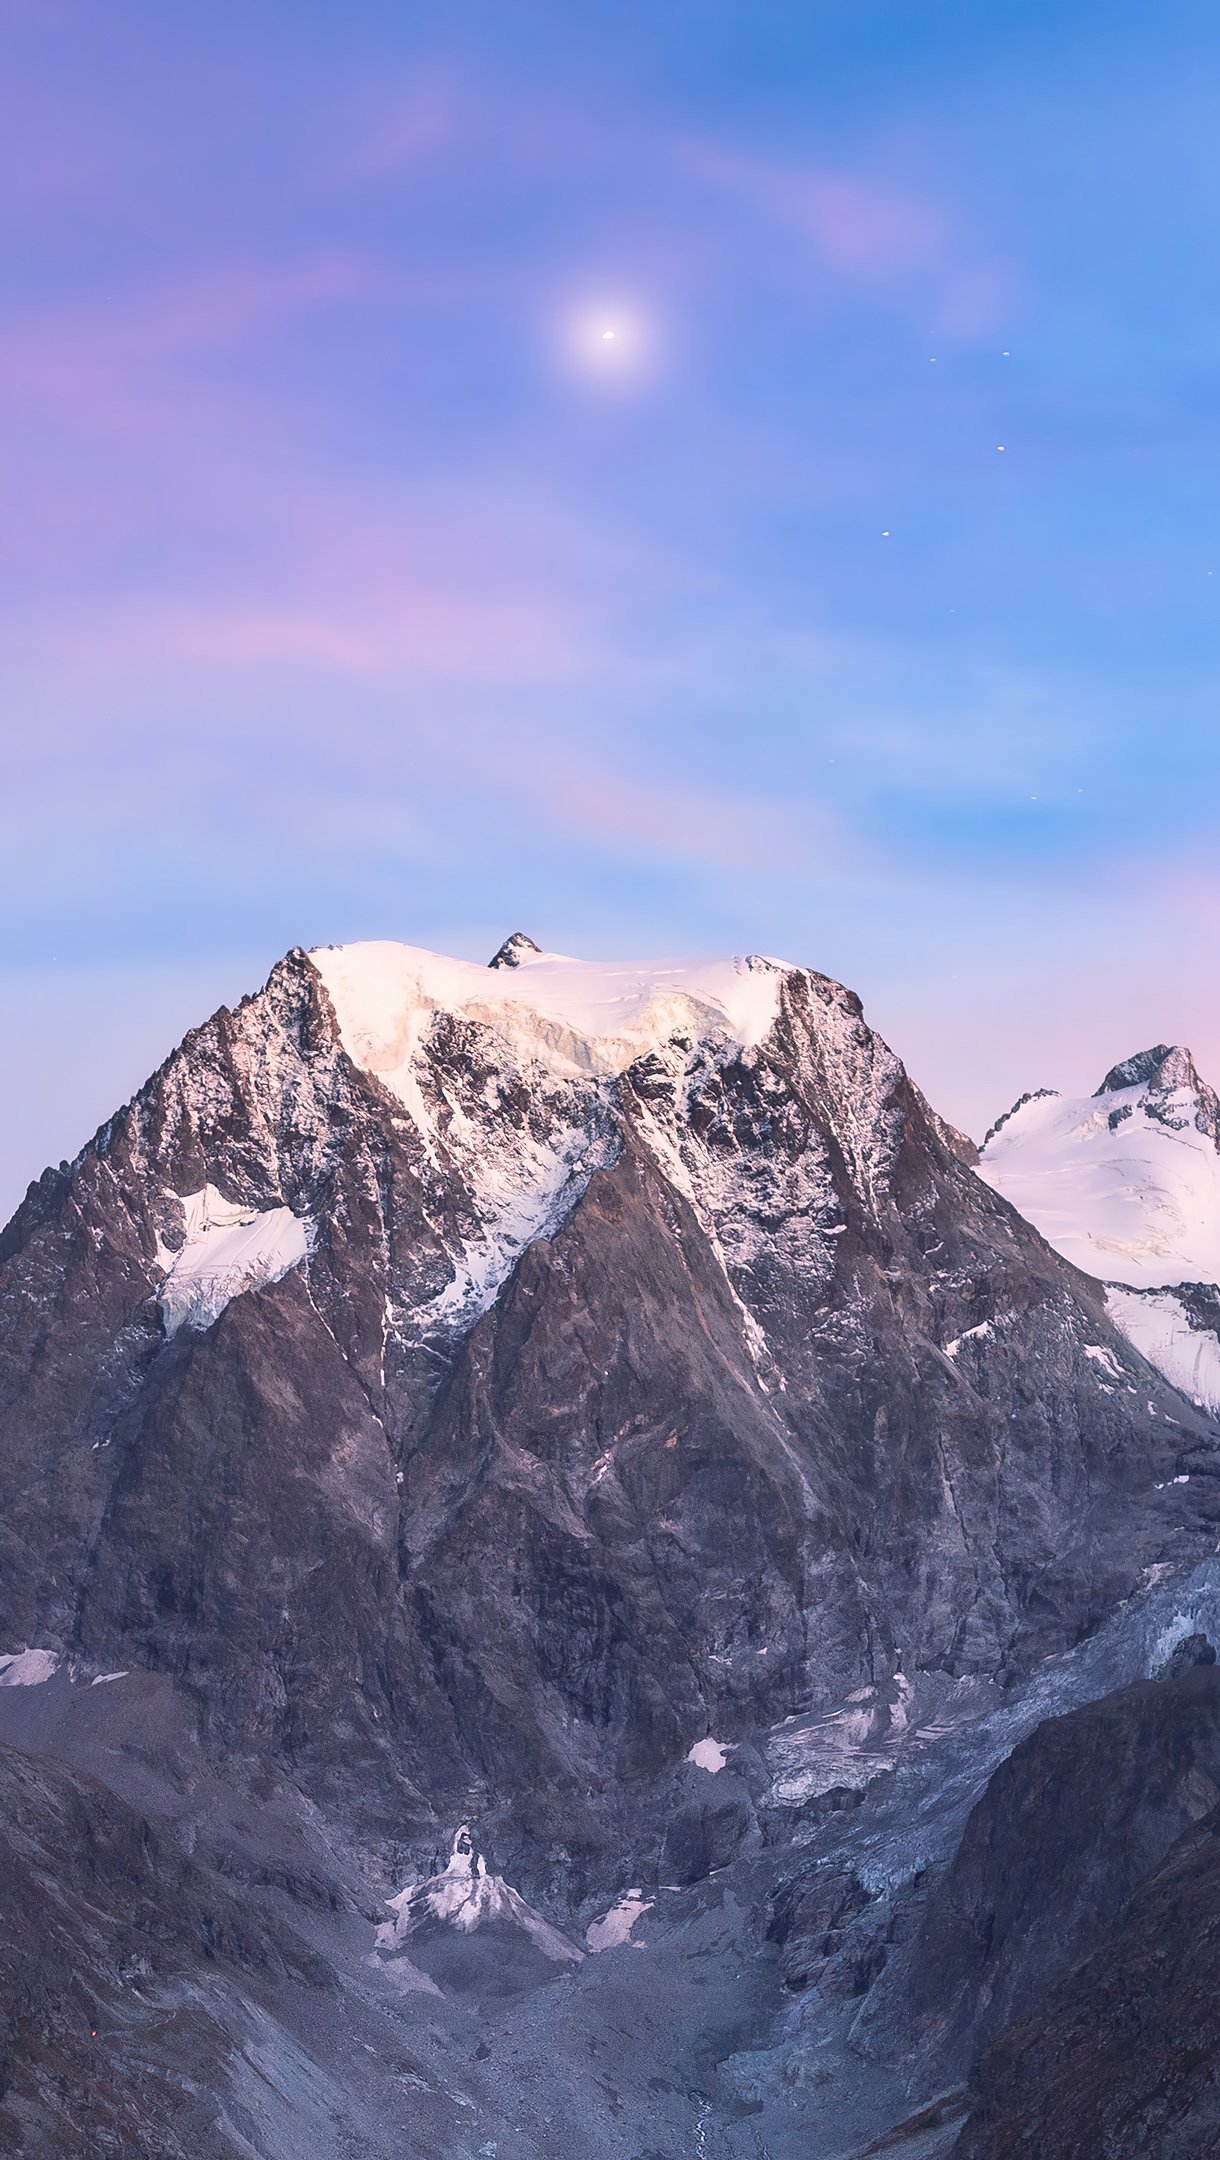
400	131
84	354
463	635
869	231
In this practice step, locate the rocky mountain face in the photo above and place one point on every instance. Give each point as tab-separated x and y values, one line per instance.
598	1414
128	1974
1122	2052
1069	1827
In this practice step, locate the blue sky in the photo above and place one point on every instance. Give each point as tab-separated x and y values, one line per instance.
356	584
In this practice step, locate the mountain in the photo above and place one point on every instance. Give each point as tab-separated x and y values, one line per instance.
596	1414
1126	1184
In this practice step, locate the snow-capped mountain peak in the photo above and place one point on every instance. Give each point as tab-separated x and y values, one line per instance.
513	951
506	1071
1126	1184
575	1017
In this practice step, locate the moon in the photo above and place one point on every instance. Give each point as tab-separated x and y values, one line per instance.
609	341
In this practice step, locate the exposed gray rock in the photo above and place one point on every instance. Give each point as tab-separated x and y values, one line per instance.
1072	1823
1123	2057
1163	1071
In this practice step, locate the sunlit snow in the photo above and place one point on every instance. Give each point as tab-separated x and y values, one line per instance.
1156	1322
227	1249
28	1668
577	1016
614	1928
1124	1184
708	1755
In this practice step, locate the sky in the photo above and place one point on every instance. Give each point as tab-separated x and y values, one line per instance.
695	476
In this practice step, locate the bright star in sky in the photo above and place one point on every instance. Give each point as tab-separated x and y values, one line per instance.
616	345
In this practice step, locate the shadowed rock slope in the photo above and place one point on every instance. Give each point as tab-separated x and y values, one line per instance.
1069	1827
1106	1964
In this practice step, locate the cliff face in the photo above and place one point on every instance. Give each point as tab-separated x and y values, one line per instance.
471	1390
1114	2032
1069	1828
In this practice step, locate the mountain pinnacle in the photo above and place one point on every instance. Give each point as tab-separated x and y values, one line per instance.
512	952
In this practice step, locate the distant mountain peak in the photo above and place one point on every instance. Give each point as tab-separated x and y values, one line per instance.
1166	1073
1125	1183
513	951
1165	1065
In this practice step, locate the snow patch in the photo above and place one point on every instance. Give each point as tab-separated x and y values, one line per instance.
227	1248
525	1193
1159	1327
1106	1359
614	1928
708	1754
972	1334
28	1668
103	1679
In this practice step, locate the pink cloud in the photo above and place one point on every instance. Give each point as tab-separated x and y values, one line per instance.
82	349
405	131
860	227
679	821
867	231
499	637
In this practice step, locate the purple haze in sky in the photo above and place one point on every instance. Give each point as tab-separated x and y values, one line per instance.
468	467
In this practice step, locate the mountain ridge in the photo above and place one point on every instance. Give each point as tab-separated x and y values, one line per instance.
651	1365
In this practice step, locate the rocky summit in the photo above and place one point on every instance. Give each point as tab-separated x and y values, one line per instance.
539	1503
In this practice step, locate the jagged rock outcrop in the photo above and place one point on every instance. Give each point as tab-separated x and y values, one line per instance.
1165	1074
